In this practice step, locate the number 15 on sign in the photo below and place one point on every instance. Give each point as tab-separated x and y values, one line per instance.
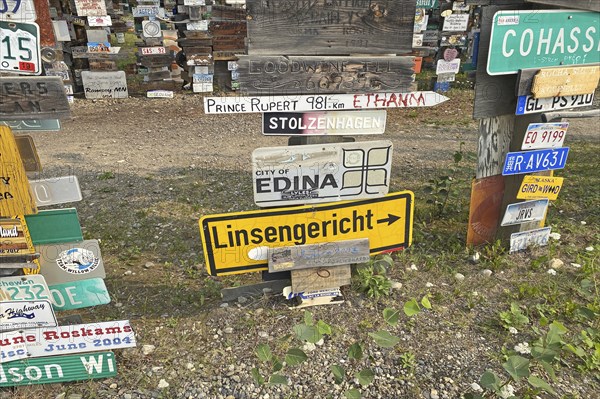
19	47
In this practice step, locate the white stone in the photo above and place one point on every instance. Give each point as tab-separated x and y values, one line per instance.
589	249
486	272
228	330
576	265
428	285
475	257
434	394
396	285
163	384
459	277
476	387
113	386
583	222
556	263
554	236
148	349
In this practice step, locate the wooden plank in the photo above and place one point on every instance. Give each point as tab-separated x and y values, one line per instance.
273	286
494	140
150	61
330	27
33	97
103	65
320	278
228	28
14	186
228	12
29	155
565	81
42	10
590	5
325	74
319	255
494	95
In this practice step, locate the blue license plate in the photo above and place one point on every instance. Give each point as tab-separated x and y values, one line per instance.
535	161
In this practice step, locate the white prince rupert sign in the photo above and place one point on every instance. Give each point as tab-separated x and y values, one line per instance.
300	103
321	173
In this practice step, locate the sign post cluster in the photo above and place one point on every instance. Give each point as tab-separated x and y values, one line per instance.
45	264
325	198
552	59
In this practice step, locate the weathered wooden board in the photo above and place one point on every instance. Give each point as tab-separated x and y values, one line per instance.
29	155
227	28
14	186
160	60
340	27
328	254
33	97
103	65
309	75
320	278
494	95
565	81
591	5
44	21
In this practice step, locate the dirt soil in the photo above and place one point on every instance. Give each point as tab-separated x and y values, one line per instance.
150	168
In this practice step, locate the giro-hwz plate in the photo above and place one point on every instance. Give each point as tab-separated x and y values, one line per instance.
20	48
316	173
228	239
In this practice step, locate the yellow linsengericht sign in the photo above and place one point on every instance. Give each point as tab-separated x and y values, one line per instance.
536	187
228	238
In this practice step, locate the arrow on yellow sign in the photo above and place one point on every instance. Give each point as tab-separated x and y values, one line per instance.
229	238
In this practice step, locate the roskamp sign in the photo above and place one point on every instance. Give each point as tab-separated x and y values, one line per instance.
229	238
524	39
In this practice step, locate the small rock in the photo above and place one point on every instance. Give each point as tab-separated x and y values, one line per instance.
476	387
242	299
127	396
263	334
459	277
552	272
583	222
163	384
396	285
554	236
434	394
267	290
576	265
189	366
556	263
60	396
589	249
75	396
228	330
224	305
428	285
486	272
148	349
113	386
475	258
148	265
128	273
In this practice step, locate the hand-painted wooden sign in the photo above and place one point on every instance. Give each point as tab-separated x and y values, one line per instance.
15	315
15	194
328	27
79	294
522	39
54	226
20	48
74	261
104	84
228	238
525	239
270	75
27	98
318	255
18	11
32	125
531	105
28	152
567	81
522	212
90	8
320	278
535	161
545	135
14	238
56	191
63	340
48	370
535	187
331	102
324	123
316	173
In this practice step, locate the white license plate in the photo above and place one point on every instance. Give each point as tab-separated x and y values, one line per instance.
545	135
55	191
527	211
24	288
17	10
26	314
20	47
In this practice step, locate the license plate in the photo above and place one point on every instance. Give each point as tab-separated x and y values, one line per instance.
535	161
24	288
525	239
545	135
55	191
530	105
26	314
522	212
534	187
17	10
20	47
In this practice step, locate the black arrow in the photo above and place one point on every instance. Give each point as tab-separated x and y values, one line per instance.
390	219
